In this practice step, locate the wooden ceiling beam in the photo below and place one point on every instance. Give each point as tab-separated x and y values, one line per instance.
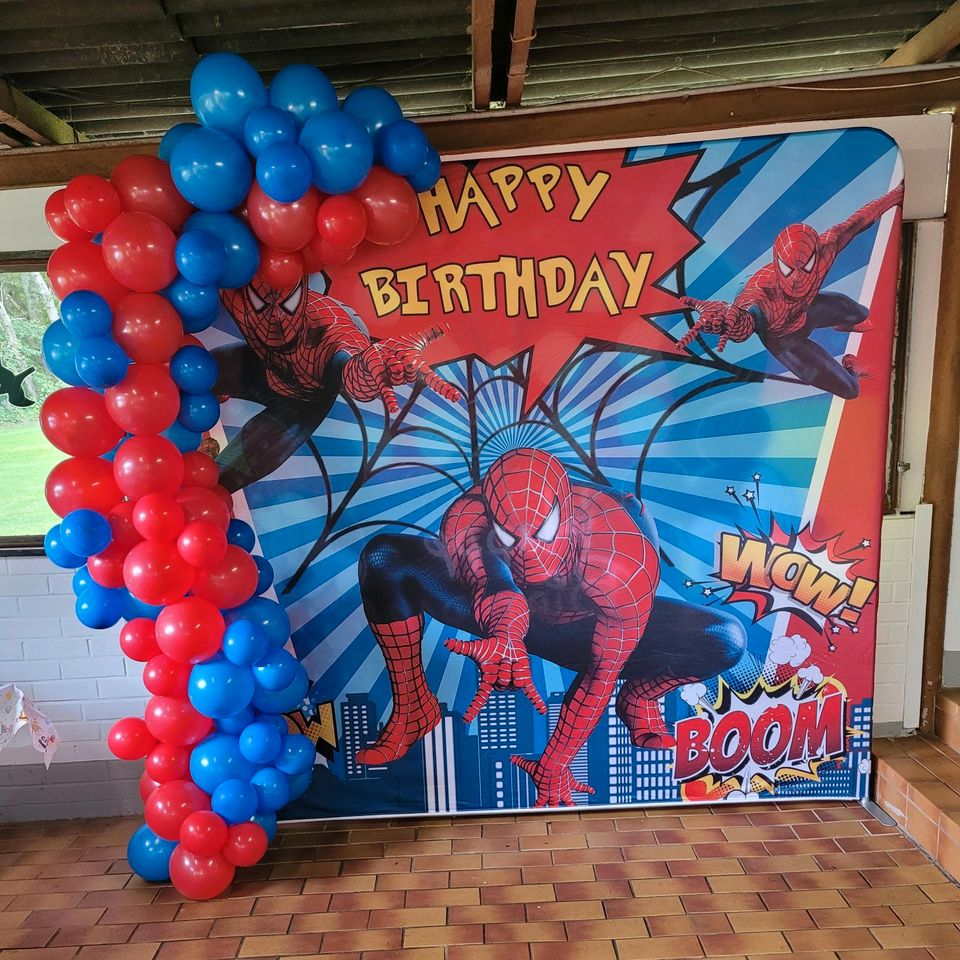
34	123
930	44
481	36
520	39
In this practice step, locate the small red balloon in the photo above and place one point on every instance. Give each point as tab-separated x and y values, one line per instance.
156	574
246	844
138	250
157	516
280	270
190	630
310	254
122	529
59	221
203	833
166	762
199	470
286	227
75	420
78	265
334	256
201	504
92	202
83	483
164	677
202	543
145	465
138	639
199	878
230	582
147	327
170	804
106	567
342	221
173	720
147	786
144	185
129	739
145	401
391	206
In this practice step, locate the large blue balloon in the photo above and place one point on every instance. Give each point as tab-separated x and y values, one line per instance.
244	642
285	700
224	89
197	304
149	855
234	800
273	789
86	314
269	617
296	755
200	257
266	126
284	172
374	107
57	553
275	720
276	670
219	688
340	151
194	369
237	722
85	532
241	534
264	574
217	759
402	147
172	137
260	743
211	170
81	578
183	439
60	353
133	608
198	411
243	254
100	607
101	362
302	90
427	176
269	823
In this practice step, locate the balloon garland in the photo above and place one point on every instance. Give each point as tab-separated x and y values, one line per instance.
280	182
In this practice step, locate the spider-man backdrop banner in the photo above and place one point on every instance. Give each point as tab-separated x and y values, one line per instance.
574	495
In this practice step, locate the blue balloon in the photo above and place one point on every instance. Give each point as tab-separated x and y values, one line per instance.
101	362
110	454
172	137
264	574
100	607
219	688
134	608
276	670
241	534
402	147
275	720
260	743
300	784
266	126
211	170
285	700
149	855
86	314
427	176
216	759
200	257
234	800
340	151
297	754
267	615
197	304
237	722
303	91
273	789
269	823
194	369
243	254
374	107
224	88
284	172
85	532
60	353
244	642
183	439
81	579
57	553
198	411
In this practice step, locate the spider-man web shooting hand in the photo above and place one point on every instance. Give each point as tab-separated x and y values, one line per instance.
727	320
554	782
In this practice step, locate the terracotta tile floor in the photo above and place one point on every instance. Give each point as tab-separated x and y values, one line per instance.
817	882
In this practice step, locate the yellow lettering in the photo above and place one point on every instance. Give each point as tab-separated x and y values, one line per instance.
588	191
449	279
473	196
487	272
786	569
743	561
545	178
519	280
552	269
594	280
634	274
410	277
507	179
383	294
436	203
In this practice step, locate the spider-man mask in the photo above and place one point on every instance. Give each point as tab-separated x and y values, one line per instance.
274	317
795	255
530	507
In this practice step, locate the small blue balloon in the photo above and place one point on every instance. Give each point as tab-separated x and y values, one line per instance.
374	107
60	353
149	855
267	615
276	670
284	172
86	314
101	362
264	574
285	700
81	579
340	151
260	743
100	607
197	304
244	642
243	254
134	608
237	722
266	126
57	553
241	534
198	411
402	147
217	759
303	91
273	789
427	176
219	688
297	755
211	170
172	137
194	369
85	532
224	88
234	800
275	720
182	438
200	257
300	784
269	823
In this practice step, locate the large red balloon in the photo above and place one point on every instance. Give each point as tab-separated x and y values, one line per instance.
164	677
138	250
138	639
199	878
147	327
122	530
59	221
145	186
286	227
203	833
156	574
145	465
342	221
166	762
75	420
145	401
106	567
199	470
174	721
170	804
246	844
190	631
83	483
147	786
202	543
201	504
391	206
78	265
91	202
280	270
157	516
129	739
230	582
332	256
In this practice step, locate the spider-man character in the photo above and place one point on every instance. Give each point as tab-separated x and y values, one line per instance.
302	348
531	562
783	305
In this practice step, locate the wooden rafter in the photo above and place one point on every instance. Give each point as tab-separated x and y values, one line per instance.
481	33
520	40
23	121
931	43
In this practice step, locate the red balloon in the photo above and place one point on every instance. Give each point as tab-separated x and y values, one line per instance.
190	631
75	420
166	762
145	186
82	482
170	804
138	251
334	256
138	639
230	582
91	202
164	677
199	878
129	739
147	786
246	844
59	221
146	400
78	265
106	567
174	721
121	524
202	544
342	221
157	516
145	465
280	270
156	574
189	340
147	327
203	833
199	470
391	206
201	504
310	254
286	227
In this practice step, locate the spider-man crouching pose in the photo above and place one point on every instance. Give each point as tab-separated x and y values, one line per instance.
302	348
531	562
783	305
